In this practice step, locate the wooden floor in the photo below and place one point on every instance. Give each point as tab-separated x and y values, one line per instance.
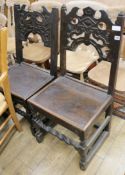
24	156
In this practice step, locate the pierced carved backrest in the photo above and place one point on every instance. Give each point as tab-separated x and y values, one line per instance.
33	22
83	24
44	23
88	26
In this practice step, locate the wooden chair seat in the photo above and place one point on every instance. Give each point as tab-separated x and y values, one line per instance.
80	65
26	79
3	104
100	73
71	102
36	53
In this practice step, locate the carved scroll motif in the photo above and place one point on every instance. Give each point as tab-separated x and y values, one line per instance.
36	23
89	27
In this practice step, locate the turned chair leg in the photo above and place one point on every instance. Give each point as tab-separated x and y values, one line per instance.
37	132
83	156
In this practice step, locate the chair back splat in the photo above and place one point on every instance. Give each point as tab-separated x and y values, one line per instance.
91	28
37	23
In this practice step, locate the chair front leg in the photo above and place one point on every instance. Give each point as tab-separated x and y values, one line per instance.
37	132
83	155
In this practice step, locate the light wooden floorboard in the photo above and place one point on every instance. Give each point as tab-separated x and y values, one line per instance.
24	156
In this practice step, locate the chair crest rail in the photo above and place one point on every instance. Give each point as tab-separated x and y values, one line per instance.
90	27
34	22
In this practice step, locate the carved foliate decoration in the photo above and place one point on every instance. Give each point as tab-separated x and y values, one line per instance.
89	27
34	22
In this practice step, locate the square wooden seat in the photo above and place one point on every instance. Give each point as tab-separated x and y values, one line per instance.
75	103
31	80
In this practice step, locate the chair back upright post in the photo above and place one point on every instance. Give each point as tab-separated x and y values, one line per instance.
19	46
54	42
63	41
116	40
91	27
36	22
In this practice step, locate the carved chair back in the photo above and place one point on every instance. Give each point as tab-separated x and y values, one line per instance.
44	23
84	23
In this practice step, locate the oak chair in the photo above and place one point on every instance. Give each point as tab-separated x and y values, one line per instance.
27	79
5	97
71	103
